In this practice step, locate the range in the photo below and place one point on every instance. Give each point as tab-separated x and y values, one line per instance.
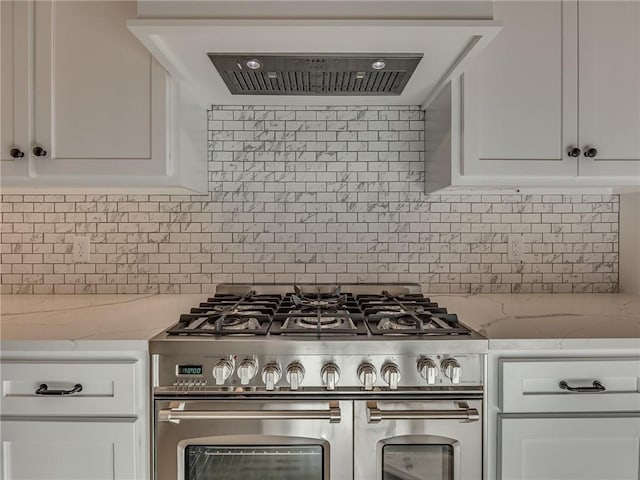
318	382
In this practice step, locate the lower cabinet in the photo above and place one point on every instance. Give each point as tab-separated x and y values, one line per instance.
70	450
569	447
563	415
74	411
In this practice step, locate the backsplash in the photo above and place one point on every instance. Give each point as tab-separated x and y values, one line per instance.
315	194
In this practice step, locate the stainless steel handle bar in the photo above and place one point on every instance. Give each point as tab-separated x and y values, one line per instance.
176	415
375	415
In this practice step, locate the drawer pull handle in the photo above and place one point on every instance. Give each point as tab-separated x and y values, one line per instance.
43	389
597	387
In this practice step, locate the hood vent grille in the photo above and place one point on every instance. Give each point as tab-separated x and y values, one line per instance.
344	74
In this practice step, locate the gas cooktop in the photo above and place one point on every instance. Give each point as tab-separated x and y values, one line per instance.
258	339
360	310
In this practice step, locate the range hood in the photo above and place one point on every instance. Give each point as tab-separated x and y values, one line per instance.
365	53
314	74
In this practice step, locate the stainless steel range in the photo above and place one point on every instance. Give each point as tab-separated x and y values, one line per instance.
317	382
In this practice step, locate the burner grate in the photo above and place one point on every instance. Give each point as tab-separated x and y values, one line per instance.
248	314
318	310
315	313
408	315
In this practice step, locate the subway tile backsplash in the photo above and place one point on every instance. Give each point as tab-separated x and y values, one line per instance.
315	194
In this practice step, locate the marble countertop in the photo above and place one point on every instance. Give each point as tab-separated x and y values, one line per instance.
569	319
90	317
551	321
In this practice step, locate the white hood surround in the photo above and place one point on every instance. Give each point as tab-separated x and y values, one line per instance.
181	34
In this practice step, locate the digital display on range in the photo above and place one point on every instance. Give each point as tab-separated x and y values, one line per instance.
189	370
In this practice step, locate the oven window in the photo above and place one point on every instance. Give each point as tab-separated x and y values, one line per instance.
417	462
258	462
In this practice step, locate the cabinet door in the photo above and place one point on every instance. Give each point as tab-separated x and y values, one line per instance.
14	71
609	38
100	97
520	96
69	450
561	448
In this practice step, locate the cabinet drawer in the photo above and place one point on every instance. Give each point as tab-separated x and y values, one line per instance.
108	388
591	385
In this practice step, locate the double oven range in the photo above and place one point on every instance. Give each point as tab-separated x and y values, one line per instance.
318	382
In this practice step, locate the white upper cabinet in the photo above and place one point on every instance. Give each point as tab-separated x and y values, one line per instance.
14	104
99	96
95	111
609	60
561	82
519	104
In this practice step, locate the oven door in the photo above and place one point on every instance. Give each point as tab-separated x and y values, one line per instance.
425	440
253	439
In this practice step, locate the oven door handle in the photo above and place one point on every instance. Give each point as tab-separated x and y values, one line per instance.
178	414
375	415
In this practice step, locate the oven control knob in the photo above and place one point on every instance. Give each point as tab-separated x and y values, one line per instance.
271	375
246	370
295	374
222	370
391	375
452	370
367	375
428	370
330	374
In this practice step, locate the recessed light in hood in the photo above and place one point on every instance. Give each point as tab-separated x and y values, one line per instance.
253	64
315	74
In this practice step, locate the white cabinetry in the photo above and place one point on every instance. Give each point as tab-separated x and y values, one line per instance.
69	450
562	74
518	98
95	103
14	105
97	430
569	448
564	418
609	87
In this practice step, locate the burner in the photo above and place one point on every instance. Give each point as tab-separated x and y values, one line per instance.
234	322
323	303
405	322
317	323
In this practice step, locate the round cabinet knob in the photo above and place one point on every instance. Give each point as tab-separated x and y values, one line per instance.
16	153
574	152
367	375
428	370
330	374
452	370
271	374
295	375
391	375
39	152
590	152
247	369
222	370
